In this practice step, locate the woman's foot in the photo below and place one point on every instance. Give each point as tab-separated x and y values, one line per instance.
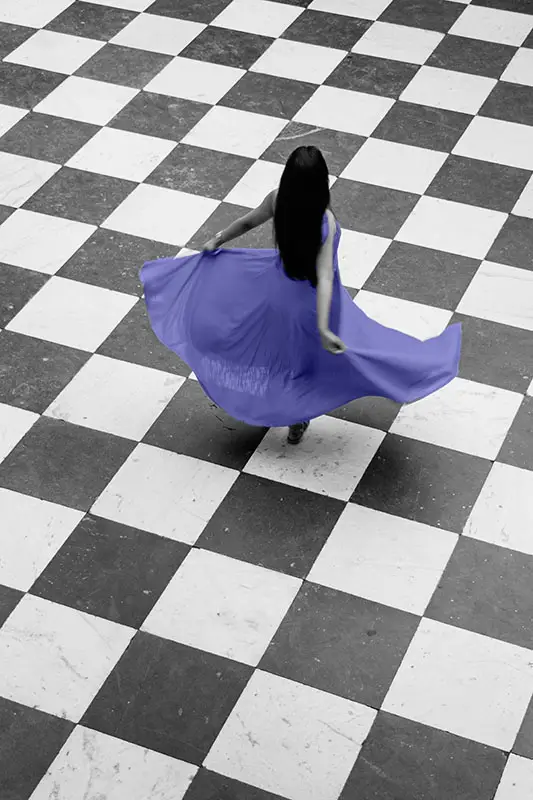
296	432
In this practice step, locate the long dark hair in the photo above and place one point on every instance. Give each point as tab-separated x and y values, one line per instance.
301	203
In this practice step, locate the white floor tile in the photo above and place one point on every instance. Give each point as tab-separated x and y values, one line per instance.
359	254
383	558
330	460
501	294
398	42
122	154
262	177
493	25
498	141
153	212
9	116
56	658
32	13
165	493
503	512
397	166
363	9
31	534
466	416
159	34
14	424
258	16
86	100
116	397
224	606
128	5
517	779
291	739
463	683
57	52
233	131
454	91
93	765
299	61
72	313
41	242
452	227
415	319
524	204
344	110
520	68
195	80
20	177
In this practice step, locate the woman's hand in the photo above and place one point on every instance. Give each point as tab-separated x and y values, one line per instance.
211	245
332	343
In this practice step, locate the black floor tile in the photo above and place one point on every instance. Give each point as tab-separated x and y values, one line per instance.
224	215
439	15
517	448
514	244
422	126
192	10
268	94
91	20
371	209
337	148
5	212
422	275
524	741
496	354
159	115
340	644
17	286
473	56
168	697
79	195
511	102
49	138
110	570
422	482
520	6
112	260
327	30
63	463
25	86
134	341
271	525
9	599
126	66
480	183
404	760
193	425
211	786
29	743
12	36
34	371
528	42
372	75
227	47
486	589
197	170
373	412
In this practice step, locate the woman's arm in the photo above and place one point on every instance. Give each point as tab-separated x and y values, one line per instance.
248	222
324	291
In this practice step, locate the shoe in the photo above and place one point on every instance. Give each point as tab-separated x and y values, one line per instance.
296	432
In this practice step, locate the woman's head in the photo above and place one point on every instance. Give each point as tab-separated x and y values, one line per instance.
302	200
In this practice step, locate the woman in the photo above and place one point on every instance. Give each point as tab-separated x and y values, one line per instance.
272	335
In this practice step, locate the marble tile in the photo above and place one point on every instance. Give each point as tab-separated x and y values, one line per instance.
299	61
158	34
372	75
224	606
72	313
328	30
268	94
258	16
511	102
32	532
305	762
438	15
330	460
261	179
86	100
47	138
195	80
159	115
337	147
14	424
9	116
204	11
55	658
33	13
473	56
383	558
376	210
463	683
415	319
422	126
398	42
233	131
520	68
517	449
17	287
501	294
343	110
228	48
466	416
455	91
57	52
126	66
453	227
493	25
201	171
359	254
92	20
23	86
40	242
168	494
115	397
129	5
498	141
92	764
514	244
365	9
517	779
524	204
21	177
398	166
210	785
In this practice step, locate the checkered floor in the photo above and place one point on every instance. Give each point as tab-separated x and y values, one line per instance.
188	608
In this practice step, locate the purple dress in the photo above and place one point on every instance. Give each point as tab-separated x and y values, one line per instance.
250	335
